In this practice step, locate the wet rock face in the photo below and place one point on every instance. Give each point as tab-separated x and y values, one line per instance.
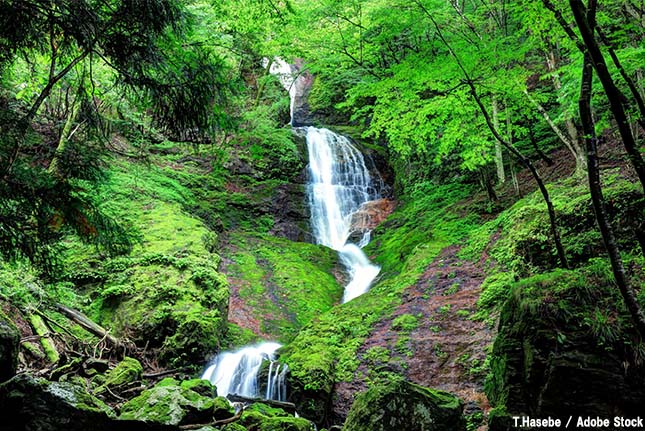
401	405
290	212
302	84
9	340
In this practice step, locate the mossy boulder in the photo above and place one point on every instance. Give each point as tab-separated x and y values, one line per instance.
402	405
261	417
9	343
127	371
566	346
173	403
37	404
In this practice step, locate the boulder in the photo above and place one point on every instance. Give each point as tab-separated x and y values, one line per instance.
552	356
401	405
172	403
37	404
9	343
262	417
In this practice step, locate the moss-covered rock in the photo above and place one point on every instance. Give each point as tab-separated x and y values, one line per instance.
171	403
167	294
401	405
266	418
37	404
9	342
566	346
282	284
127	371
222	408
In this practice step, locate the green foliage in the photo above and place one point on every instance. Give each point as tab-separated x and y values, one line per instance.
405	322
427	221
519	238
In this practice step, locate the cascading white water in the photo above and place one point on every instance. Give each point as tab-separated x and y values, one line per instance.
237	372
276	384
340	184
284	72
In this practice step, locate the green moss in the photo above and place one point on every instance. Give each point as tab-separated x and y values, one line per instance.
286	283
127	371
170	403
427	221
222	408
519	238
264	418
266	410
405	322
579	312
200	386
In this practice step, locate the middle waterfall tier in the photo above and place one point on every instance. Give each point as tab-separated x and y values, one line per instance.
339	186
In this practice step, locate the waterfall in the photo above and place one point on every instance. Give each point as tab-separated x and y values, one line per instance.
340	184
237	372
285	74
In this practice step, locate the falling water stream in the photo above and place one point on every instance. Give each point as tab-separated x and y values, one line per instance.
340	184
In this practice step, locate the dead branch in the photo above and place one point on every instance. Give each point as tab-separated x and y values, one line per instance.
237	416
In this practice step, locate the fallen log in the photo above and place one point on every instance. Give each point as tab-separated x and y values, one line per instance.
85	322
43	331
237	416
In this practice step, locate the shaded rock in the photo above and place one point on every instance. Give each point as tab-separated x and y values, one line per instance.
222	409
9	343
201	386
171	403
547	361
401	405
37	404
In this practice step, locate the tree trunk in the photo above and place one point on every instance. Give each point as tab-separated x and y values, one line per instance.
613	93
499	160
595	188
67	132
546	159
574	148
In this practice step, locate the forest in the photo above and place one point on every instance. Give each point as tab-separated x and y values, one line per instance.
296	215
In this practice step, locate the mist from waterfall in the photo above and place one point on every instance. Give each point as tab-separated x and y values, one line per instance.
339	186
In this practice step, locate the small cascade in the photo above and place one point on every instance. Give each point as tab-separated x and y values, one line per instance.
285	74
237	372
340	185
276	384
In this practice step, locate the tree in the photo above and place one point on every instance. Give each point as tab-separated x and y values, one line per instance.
64	41
620	274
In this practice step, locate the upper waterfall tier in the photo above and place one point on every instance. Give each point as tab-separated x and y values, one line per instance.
339	186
